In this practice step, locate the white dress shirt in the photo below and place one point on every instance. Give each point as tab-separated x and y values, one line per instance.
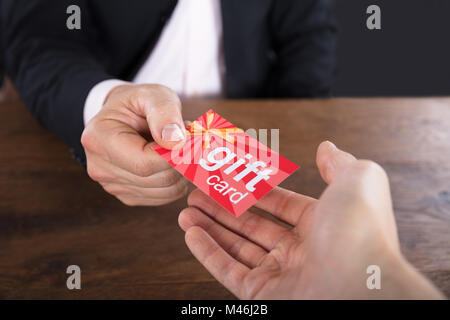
188	57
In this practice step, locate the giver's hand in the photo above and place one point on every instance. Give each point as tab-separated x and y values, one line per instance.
119	154
326	251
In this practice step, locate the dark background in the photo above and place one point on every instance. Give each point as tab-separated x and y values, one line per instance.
409	56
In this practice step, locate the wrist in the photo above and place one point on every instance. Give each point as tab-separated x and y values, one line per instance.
400	280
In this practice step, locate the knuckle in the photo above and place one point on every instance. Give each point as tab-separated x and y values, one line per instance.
112	189
143	90
164	96
369	167
161	88
87	138
143	168
172	177
146	90
177	190
96	174
371	173
131	202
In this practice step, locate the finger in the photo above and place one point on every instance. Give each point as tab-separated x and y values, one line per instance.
134	201
175	191
262	231
331	161
105	172
162	109
160	179
127	149
229	272
239	248
286	205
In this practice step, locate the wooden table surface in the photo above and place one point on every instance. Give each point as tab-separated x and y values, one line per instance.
52	215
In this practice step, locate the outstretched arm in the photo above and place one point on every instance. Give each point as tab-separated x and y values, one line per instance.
325	251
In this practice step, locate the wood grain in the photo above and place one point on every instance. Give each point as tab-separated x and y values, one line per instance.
52	215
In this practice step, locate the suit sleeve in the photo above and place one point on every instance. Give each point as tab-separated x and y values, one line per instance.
52	67
304	41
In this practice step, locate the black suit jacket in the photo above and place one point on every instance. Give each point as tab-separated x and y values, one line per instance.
272	48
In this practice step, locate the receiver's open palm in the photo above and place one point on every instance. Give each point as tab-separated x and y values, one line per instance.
322	250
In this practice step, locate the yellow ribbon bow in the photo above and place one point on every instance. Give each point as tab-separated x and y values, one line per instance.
225	133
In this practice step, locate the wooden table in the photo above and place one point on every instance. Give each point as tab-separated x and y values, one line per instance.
52	215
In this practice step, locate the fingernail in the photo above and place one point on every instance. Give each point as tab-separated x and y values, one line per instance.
172	132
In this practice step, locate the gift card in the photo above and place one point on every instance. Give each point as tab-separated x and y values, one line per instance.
230	166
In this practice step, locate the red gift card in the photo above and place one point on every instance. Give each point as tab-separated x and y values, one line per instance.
230	166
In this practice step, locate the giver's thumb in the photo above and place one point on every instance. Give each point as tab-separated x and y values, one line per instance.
166	123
